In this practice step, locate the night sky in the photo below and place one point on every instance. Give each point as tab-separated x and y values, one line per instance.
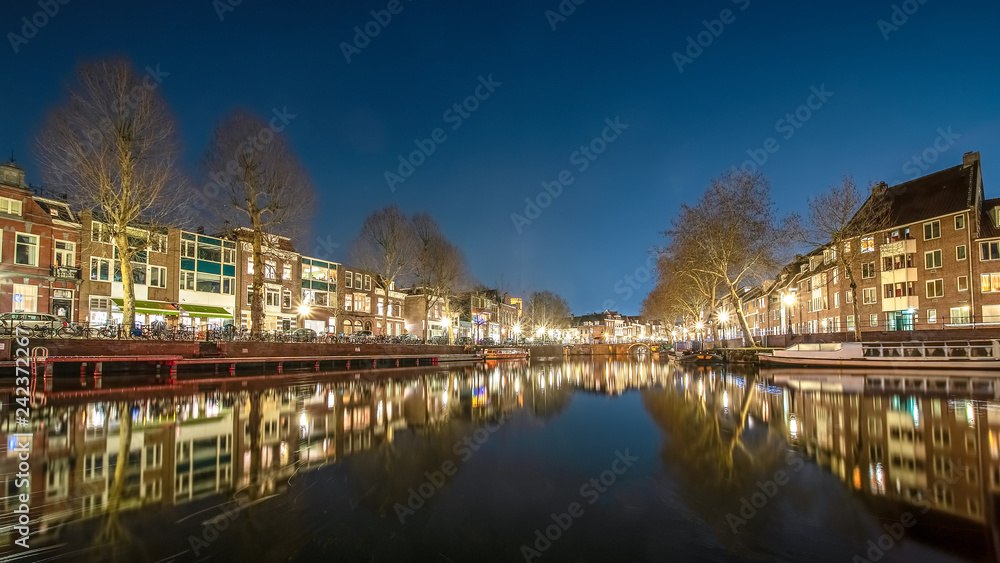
881	94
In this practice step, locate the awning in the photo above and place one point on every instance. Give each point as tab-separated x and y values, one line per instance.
206	311
149	307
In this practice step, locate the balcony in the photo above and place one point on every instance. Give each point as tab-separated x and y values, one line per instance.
64	272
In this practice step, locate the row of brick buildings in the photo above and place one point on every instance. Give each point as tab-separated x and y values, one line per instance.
59	261
935	266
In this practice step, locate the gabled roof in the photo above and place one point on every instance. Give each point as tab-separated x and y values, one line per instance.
941	193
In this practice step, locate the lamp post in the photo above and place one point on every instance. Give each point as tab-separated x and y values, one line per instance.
788	299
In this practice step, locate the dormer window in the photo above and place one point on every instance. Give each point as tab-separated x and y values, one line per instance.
10	206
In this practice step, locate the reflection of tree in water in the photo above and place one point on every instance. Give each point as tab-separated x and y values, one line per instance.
114	542
706	445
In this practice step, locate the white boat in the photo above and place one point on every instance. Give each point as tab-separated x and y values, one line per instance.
972	354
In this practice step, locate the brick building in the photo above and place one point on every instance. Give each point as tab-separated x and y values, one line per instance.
39	268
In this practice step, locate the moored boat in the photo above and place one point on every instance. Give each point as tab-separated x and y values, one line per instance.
504	353
966	354
701	358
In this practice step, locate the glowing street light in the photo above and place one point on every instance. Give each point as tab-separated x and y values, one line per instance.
724	317
304	310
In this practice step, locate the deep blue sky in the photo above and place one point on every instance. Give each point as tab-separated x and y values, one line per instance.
608	59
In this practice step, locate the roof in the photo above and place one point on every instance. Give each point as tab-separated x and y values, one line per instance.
941	193
987	228
56	209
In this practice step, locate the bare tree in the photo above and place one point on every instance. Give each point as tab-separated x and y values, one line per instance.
440	270
112	146
838	219
732	235
386	245
547	310
265	189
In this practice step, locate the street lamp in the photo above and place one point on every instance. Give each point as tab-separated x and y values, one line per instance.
789	300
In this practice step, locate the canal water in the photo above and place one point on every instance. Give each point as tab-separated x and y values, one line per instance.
582	460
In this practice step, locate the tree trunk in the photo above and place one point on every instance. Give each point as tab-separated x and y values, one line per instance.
257	303
128	283
385	310
714	316
747	337
849	274
124	445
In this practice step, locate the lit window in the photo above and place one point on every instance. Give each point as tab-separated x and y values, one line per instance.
10	206
868	244
931	316
26	249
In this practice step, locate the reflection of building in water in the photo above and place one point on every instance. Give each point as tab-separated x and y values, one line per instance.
918	447
188	447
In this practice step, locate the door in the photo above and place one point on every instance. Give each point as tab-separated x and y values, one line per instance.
63	308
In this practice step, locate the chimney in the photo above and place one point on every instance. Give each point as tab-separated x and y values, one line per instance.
200	230
970	158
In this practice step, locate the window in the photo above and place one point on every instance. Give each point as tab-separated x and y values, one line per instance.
286	299
873	320
368	283
932	260
836	300
157	276
65	254
888	292
932	230
209	253
349	280
187	249
932	316
270	270
935	288
959	222
991	282
286	272
229	255
868	244
208	283
10	206
989	251
868	270
249	295
272	297
849	296
868	296
249	265
100	269
836	275
850	322
25	298
960	315
26	249
229	286
847	247
187	280
960	253
99	233
154	456
349	302
963	283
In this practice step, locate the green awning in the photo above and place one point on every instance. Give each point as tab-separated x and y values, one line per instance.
149	307
206	311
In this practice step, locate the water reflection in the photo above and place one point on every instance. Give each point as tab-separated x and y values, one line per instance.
107	463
